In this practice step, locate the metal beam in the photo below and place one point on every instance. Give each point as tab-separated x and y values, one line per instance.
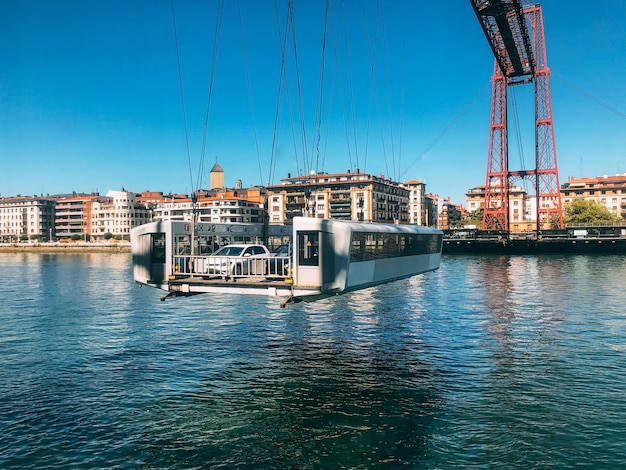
504	25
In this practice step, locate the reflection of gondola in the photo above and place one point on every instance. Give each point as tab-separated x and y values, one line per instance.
329	257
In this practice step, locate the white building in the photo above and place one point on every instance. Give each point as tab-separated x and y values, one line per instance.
26	218
417	202
117	214
216	210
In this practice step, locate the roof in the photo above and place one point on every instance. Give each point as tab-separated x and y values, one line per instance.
216	168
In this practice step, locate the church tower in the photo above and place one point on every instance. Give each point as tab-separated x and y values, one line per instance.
216	177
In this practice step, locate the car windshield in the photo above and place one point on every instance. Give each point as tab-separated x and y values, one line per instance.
229	251
283	250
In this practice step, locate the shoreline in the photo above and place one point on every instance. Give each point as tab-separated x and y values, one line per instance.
65	248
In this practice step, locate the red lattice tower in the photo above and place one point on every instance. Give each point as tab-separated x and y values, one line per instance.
518	60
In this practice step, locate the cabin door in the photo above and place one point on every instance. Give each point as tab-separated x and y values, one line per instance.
316	258
157	258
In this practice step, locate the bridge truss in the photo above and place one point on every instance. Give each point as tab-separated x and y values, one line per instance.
516	37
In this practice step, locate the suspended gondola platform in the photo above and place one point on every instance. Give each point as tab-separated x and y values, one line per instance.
327	257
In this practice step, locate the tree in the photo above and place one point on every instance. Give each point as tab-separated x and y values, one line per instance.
76	236
584	212
108	236
473	218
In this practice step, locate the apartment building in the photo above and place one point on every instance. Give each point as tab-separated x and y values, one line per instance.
117	213
522	206
217	206
608	191
74	214
26	218
418	205
347	196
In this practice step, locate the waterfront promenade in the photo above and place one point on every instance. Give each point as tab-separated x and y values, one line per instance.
70	247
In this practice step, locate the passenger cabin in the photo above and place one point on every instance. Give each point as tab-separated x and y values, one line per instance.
328	257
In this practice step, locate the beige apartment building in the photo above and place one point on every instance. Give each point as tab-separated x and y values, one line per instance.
522	207
608	191
347	196
26	218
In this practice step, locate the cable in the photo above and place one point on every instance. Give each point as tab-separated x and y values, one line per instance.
182	94
590	96
447	128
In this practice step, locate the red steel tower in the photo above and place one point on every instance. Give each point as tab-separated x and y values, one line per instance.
520	58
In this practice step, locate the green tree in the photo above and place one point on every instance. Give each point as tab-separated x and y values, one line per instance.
473	218
76	236
108	236
584	212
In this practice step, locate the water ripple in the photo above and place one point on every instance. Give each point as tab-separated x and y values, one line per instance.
489	362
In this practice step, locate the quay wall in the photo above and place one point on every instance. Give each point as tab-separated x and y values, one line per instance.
65	248
602	245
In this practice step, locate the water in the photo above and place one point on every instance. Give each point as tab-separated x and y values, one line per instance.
489	362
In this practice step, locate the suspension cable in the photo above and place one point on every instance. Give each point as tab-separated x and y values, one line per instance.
448	127
382	25
182	95
518	133
590	96
245	60
218	27
342	101
402	84
320	93
350	87
299	83
374	91
282	79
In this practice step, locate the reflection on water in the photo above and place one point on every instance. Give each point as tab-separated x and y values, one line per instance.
505	362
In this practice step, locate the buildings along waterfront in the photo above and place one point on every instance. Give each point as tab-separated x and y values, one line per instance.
345	196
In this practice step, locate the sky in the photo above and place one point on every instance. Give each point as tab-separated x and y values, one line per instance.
150	94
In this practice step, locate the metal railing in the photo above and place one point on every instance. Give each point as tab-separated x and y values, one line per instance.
232	267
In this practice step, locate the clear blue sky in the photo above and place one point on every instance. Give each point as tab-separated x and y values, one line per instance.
90	97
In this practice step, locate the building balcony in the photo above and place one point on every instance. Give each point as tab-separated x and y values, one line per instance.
291	214
340	209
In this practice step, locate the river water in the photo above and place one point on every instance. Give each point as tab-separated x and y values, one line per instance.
489	362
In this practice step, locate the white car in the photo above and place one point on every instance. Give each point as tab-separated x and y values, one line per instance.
239	260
